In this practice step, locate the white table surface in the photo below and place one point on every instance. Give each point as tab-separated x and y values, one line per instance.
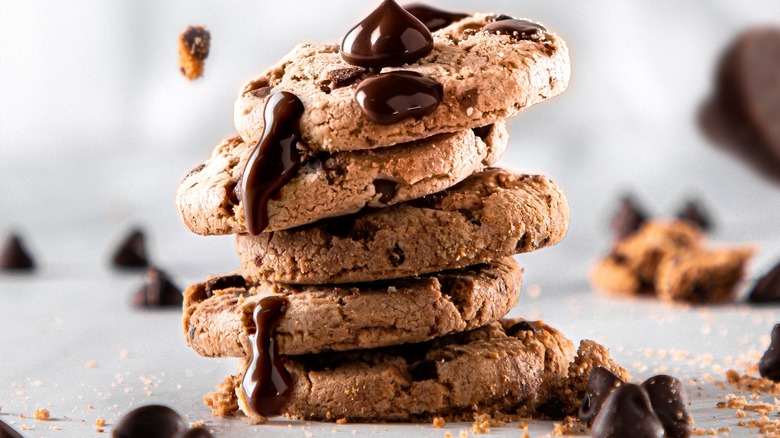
97	127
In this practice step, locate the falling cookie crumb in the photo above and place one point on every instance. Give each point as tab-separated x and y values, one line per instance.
194	46
438	422
42	414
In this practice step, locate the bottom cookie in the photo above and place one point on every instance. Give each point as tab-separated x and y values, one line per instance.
511	368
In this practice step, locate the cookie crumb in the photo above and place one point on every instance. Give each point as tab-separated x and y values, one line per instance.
341	421
99	430
481	425
197	424
42	414
91	364
100	422
194	46
569	426
438	422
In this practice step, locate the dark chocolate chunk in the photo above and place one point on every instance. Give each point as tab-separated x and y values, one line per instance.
769	365
601	383
434	19
518	29
520	326
386	188
396	256
483	131
628	218
157	291
274	161
693	212
345	76
267	383
198	41
767	289
391	97
424	370
151	421
627	413
197	432
14	256
225	282
389	36
131	253
7	431
669	400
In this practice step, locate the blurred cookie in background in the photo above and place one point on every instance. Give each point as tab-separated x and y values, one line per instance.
743	113
194	46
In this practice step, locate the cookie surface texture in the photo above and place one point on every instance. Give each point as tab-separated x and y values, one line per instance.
486	78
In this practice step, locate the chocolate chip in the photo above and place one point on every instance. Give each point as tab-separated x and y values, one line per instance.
767	289
468	99
520	326
628	218
345	76
769	365
157	291
396	256
669	399
7	431
693	212
483	131
627	413
424	370
386	188
518	29
131	253
152	421
198	41
225	282
197	432
601	383
14	256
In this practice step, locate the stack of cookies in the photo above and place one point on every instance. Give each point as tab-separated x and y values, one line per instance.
375	240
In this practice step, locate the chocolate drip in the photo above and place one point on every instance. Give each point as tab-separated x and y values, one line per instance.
390	97
519	29
389	36
267	384
434	19
274	161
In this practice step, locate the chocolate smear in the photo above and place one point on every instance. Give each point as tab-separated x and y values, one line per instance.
267	383
391	97
131	253
669	400
389	36
627	413
157	291
628	218
274	161
769	365
767	288
693	212
14	256
434	19
151	421
601	383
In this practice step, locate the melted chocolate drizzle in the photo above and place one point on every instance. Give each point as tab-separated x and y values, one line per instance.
267	383
390	97
389	36
434	19
275	159
519	29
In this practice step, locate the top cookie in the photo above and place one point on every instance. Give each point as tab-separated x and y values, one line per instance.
485	77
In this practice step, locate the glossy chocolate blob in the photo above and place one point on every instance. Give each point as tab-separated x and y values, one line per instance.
627	413
519	29
390	97
601	383
434	19
389	36
275	159
669	399
267	383
152	421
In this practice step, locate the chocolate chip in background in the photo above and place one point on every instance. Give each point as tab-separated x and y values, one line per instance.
601	383
627	413
628	218
769	365
131	252
767	288
157	291
151	421
14	255
669	400
7	431
695	213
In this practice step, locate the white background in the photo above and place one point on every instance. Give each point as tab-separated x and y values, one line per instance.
97	127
